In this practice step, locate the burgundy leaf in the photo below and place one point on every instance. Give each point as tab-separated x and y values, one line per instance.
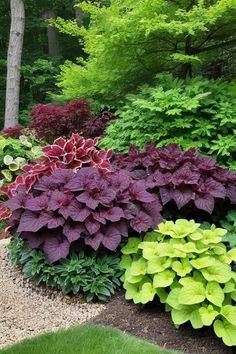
32	221
142	222
205	202
56	249
73	231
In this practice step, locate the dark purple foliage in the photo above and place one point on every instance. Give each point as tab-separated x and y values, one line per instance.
95	208
188	180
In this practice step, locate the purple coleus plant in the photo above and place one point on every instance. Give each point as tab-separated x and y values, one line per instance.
88	206
187	179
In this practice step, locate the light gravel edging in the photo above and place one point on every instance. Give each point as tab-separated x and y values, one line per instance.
26	311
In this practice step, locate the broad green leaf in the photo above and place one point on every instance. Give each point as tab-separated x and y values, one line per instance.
232	254
213	236
168	250
197	235
126	261
149	249
183	314
173	299
214	293
153	236
14	166
162	294
132	278
7	160
229	286
219	249
233	295
182	268
208	314
188	247
138	267
203	262
158	264
193	293
131	246
141	293
229	312
219	272
163	279
226	331
196	320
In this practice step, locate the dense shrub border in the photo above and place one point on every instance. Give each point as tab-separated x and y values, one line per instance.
188	268
96	276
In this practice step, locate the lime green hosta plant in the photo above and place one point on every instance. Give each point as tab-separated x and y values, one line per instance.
189	269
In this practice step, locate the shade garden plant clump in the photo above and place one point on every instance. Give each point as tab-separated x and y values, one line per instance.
96	276
72	153
187	183
188	268
87	208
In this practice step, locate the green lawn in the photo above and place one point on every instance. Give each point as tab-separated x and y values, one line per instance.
86	339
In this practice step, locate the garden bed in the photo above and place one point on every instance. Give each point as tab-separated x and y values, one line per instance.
152	323
27	311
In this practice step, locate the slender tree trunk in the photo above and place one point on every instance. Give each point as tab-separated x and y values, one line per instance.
53	41
14	63
79	14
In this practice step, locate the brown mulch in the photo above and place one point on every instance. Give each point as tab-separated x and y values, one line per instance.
154	324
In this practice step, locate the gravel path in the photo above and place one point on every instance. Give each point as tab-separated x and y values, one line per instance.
26	311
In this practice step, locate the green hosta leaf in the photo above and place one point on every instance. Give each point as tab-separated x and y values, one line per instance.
7	175
230	286
180	229
213	236
14	167
153	236
203	262
162	294
126	261
141	293
183	314
149	249
163	279
219	249
182	268
131	246
197	235
188	247
193	293
232	254
173	299
200	247
168	250
132	278
214	293
158	264
7	160
138	267
229	312
208	314
226	331
196	320
219	272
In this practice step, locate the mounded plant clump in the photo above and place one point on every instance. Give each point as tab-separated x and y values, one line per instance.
95	276
87	208
188	268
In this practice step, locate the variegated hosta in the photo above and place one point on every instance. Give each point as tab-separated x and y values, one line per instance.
189	269
70	153
83	209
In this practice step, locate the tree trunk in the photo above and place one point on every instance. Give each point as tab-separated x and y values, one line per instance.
79	14
53	42
14	63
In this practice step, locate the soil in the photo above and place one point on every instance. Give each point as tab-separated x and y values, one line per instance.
154	324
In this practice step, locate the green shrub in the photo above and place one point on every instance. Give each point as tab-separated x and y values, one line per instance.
189	269
96	276
229	223
196	112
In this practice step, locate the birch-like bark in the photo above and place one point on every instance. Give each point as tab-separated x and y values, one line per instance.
14	63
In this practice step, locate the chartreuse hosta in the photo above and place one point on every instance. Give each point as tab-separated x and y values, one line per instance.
190	270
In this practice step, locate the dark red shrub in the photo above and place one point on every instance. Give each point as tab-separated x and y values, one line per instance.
52	121
70	153
88	206
189	181
12	132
